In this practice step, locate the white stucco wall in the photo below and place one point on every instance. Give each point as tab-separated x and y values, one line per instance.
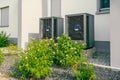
51	8
44	8
56	8
102	21
31	11
115	32
13	17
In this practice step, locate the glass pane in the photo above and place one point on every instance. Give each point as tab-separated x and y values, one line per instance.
105	3
5	16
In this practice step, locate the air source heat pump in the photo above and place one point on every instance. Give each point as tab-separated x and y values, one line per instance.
51	27
80	27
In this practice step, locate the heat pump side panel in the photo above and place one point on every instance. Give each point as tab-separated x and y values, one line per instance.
60	26
66	25
90	31
40	29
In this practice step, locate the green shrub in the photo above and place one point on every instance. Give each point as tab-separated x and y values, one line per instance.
4	39
84	71
12	49
1	57
66	51
70	54
36	61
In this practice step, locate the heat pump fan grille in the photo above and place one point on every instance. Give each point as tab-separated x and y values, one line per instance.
51	27
47	28
75	27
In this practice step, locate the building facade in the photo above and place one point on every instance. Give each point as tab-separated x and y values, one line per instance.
9	18
20	19
114	32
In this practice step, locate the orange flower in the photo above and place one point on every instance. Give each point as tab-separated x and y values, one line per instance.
75	65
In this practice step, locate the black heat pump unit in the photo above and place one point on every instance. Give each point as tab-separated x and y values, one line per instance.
51	27
80	27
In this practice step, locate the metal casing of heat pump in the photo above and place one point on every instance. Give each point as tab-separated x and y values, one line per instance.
80	27
51	27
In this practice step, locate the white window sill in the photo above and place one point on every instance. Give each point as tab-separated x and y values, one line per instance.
103	11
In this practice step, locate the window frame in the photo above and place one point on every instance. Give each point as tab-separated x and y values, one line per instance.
7	25
102	10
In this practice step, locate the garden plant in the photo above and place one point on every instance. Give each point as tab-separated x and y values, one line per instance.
4	39
1	57
40	56
36	61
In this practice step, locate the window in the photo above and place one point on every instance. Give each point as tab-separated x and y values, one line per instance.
103	6
4	16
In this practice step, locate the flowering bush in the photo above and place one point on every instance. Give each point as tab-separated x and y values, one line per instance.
70	54
66	51
36	61
12	49
83	70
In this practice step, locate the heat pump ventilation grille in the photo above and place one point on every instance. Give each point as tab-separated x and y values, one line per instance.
47	28
75	27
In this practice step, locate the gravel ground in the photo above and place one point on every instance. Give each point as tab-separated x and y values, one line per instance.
61	74
5	68
100	58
